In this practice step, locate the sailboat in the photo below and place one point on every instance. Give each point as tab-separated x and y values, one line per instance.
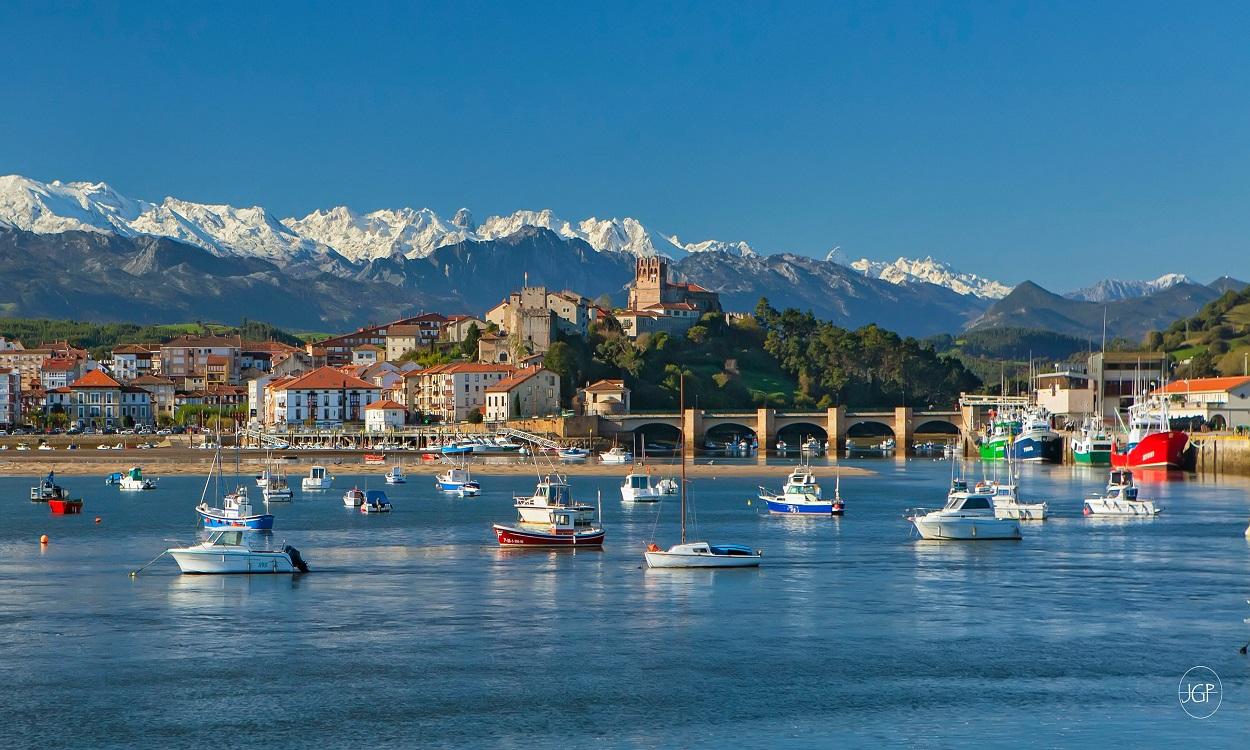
1007	499
698	554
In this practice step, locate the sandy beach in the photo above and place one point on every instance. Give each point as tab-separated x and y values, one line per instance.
171	461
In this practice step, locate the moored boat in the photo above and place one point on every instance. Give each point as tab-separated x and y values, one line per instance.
236	513
226	551
395	475
277	489
640	487
800	495
1151	440
375	459
1120	498
1037	441
317	479
375	502
551	493
616	455
459	481
133	480
686	554
354	498
560	530
967	516
1092	447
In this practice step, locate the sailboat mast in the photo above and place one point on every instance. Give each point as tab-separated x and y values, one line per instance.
681	400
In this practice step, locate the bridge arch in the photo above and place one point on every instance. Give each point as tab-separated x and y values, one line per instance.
936	427
869	428
794	433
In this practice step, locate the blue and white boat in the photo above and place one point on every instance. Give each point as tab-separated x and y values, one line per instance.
573	454
236	513
459	481
114	478
395	475
457	448
1037	441
801	496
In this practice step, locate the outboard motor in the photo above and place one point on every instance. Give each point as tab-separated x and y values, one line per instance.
296	559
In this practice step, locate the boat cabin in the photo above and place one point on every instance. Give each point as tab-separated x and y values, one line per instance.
638	481
552	491
1120	486
227	538
970	501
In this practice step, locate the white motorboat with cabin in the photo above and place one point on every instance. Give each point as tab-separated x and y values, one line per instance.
133	480
616	455
354	498
1120	498
801	495
967	516
641	487
551	493
395	475
227	551
686	554
459	481
277	489
318	479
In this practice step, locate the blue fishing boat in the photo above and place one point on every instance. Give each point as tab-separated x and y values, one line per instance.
114	478
458	480
801	496
236	513
455	449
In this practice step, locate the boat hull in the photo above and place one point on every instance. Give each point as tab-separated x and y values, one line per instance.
967	529
1044	448
259	522
197	562
1091	456
994	450
670	559
1165	449
520	536
781	507
1120	508
65	507
1021	512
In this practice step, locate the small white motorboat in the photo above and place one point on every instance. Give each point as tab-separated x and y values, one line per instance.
617	455
668	486
967	516
354	498
1120	498
395	475
317	479
375	502
573	454
134	480
227	551
459	481
640	487
262	479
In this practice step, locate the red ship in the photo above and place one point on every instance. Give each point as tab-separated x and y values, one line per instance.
1151	439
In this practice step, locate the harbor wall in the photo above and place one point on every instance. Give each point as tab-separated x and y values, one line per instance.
1222	454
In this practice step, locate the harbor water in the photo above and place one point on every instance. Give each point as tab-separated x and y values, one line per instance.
415	630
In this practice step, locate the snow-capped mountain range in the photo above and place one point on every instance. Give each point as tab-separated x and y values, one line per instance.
341	234
1108	290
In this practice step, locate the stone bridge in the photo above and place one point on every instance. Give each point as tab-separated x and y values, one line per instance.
831	424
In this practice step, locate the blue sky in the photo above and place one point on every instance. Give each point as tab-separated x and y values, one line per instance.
1061	142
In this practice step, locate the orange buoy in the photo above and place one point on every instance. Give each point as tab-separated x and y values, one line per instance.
97	519
43	539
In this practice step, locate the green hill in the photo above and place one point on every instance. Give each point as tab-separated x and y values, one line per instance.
1215	341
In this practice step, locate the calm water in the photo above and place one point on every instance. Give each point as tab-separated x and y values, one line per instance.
415	630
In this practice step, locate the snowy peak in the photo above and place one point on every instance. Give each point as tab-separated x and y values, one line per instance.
927	270
1109	290
363	237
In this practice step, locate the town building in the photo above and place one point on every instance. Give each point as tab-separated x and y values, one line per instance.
132	361
1066	392
260	356
1222	403
457	327
27	362
603	397
1118	377
338	349
657	304
385	415
530	392
325	397
161	391
450	392
58	372
200	361
10	397
98	400
529	320
366	355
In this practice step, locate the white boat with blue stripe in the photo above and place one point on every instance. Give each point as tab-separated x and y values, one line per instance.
801	495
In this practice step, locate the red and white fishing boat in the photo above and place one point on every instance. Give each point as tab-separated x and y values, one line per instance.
561	531
1151	439
375	458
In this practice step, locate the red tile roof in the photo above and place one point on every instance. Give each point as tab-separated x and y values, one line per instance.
520	376
1203	385
385	404
606	385
58	364
151	380
95	379
327	378
132	349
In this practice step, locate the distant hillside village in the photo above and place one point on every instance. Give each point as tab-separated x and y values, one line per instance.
373	376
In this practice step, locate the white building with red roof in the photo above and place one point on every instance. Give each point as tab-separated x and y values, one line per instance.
327	397
450	392
1223	403
385	415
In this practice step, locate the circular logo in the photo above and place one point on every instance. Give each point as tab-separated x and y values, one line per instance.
1200	692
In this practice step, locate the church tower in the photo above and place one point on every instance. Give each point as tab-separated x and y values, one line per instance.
650	279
